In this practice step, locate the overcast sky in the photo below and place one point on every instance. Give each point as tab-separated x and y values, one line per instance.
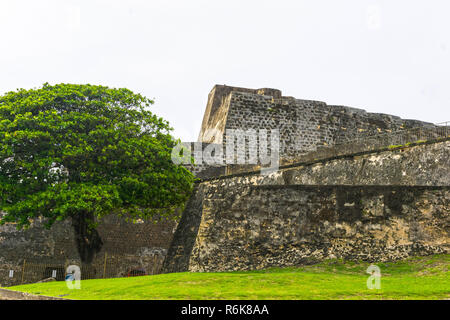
383	56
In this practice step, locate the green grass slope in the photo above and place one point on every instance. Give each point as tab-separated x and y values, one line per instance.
415	278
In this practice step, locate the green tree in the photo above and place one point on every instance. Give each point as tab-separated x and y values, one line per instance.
83	152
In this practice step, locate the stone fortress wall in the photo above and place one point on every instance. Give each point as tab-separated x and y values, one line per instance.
384	204
212	224
303	125
353	185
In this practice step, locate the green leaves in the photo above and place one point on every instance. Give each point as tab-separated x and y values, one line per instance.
70	149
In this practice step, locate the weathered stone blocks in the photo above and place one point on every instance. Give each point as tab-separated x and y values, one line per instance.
360	208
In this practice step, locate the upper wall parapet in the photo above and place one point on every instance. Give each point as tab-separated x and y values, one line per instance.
303	126
216	108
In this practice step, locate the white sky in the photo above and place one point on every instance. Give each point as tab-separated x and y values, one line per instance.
382	56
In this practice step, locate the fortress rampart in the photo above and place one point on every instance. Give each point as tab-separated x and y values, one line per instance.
304	125
382	205
384	195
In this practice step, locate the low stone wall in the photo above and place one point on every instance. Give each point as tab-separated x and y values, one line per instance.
32	254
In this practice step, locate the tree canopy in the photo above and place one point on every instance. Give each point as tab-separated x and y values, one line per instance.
82	152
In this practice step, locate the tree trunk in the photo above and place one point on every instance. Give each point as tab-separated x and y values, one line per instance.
87	239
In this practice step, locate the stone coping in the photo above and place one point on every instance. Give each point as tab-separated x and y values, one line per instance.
310	159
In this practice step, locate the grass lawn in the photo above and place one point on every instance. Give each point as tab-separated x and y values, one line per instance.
414	278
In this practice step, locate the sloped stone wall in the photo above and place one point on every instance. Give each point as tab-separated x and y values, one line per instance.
268	226
400	207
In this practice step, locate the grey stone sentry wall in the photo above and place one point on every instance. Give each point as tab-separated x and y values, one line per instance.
303	124
393	203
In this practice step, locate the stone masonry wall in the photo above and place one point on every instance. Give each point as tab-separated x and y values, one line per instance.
405	188
289	225
127	246
203	168
303	124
